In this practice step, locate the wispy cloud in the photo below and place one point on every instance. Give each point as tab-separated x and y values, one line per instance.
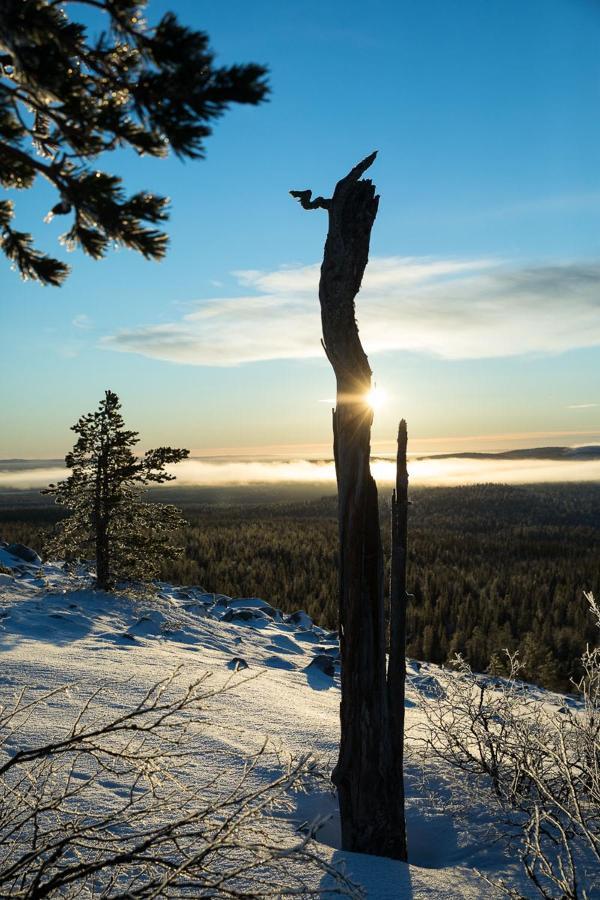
83	322
582	405
455	309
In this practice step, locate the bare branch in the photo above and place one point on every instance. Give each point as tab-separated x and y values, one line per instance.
161	832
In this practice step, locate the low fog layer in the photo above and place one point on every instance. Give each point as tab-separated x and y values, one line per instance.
423	471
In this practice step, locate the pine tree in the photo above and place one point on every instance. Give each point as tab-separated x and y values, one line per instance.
68	94
109	521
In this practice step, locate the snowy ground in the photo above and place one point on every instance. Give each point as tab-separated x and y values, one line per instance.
54	630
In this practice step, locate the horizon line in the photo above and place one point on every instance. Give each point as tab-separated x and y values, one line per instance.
323	450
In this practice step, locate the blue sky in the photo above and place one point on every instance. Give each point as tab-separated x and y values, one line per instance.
482	316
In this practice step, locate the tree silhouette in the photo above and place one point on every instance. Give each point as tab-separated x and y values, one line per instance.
368	774
67	97
128	537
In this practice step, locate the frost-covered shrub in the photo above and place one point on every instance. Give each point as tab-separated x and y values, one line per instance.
539	761
121	804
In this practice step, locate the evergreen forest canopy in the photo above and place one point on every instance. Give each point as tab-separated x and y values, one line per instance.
490	566
69	96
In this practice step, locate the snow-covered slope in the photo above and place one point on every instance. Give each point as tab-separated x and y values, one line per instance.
55	630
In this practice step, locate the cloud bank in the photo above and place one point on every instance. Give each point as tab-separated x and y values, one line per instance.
424	471
455	309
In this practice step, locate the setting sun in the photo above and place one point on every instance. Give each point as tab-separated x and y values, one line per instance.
376	398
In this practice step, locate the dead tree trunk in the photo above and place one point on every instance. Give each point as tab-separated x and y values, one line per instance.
396	675
368	774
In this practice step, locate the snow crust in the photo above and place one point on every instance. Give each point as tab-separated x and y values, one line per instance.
55	630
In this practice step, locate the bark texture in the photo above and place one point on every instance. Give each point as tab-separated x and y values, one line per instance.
396	674
368	774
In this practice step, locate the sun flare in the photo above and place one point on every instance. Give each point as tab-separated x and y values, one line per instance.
376	398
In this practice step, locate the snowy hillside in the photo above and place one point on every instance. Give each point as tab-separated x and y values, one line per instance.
282	678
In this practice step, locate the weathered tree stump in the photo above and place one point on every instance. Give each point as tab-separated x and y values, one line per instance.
368	774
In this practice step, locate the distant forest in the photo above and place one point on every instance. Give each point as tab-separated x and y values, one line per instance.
490	566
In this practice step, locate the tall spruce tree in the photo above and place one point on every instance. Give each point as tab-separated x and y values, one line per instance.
108	519
71	92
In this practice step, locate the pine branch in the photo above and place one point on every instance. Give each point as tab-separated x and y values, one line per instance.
73	97
31	263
